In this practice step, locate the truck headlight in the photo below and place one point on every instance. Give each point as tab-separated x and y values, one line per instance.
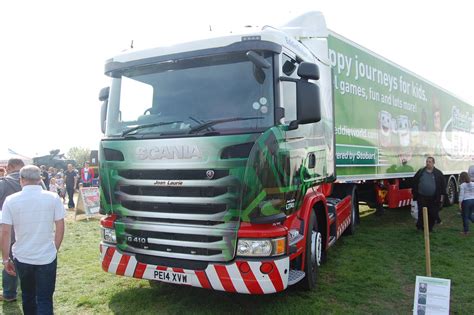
108	235
261	247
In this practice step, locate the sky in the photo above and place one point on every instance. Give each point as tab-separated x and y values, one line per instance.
52	53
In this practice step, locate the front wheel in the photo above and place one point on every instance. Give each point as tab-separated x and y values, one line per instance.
314	248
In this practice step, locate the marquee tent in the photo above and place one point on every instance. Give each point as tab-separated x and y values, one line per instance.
7	154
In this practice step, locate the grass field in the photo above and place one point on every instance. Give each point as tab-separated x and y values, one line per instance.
371	272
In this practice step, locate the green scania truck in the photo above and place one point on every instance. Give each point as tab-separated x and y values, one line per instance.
235	163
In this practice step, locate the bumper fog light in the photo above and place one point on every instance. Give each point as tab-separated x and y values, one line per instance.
266	268
244	267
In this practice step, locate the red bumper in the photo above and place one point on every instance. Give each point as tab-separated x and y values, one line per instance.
240	276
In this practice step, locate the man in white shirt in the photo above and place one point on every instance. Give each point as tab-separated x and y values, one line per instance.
38	219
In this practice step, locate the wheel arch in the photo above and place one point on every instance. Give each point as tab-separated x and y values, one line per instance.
321	220
316	202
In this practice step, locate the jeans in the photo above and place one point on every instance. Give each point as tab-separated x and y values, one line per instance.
467	210
9	284
70	195
37	285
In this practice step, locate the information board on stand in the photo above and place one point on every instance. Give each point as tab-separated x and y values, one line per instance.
88	202
431	296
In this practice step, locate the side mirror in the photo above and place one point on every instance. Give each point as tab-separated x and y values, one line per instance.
104	97
308	102
104	94
308	71
308	97
103	115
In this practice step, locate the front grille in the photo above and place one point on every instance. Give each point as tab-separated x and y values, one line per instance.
174	207
174	191
172	174
183	250
174	236
178	221
180	214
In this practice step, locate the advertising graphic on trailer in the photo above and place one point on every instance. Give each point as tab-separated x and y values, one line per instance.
388	120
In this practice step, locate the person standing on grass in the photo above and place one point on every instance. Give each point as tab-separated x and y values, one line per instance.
466	200
37	216
87	175
62	189
70	178
45	176
429	188
9	185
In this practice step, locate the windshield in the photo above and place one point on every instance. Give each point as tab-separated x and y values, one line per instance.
220	94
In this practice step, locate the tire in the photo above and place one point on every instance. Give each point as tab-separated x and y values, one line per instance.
314	248
354	213
451	192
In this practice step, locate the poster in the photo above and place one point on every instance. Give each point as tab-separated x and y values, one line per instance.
89	200
431	296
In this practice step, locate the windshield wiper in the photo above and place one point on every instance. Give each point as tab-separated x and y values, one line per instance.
219	121
126	132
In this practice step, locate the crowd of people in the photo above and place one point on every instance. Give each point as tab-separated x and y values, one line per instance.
32	216
65	182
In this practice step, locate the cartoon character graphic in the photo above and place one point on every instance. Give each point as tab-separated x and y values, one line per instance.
403	130
385	128
472	124
415	134
424	128
439	136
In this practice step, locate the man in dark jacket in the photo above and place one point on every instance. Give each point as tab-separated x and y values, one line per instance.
70	179
9	185
429	189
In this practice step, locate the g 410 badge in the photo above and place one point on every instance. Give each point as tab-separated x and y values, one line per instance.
137	241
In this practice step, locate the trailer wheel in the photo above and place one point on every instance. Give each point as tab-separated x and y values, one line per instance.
354	213
314	248
451	191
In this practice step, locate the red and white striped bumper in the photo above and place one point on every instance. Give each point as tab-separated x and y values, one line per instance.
233	277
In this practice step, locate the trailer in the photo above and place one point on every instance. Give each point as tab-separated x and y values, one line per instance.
388	120
235	163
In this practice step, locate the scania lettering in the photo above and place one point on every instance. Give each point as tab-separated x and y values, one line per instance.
236	163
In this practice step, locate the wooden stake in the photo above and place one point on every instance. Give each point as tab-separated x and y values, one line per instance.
427	241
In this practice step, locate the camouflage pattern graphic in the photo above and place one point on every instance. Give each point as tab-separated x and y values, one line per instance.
277	176
203	197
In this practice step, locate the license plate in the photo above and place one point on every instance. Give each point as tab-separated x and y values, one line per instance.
172	277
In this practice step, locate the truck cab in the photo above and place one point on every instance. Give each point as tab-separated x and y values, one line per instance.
217	160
